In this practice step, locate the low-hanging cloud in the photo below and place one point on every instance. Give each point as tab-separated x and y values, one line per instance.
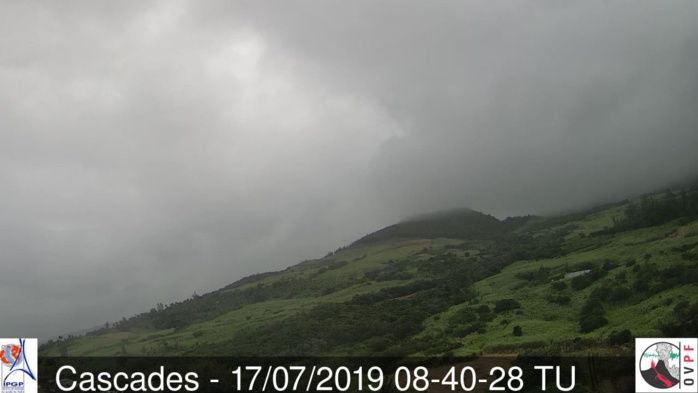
155	149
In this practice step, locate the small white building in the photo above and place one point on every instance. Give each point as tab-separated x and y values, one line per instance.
572	275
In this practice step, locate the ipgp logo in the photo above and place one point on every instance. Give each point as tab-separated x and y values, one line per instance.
666	365
18	365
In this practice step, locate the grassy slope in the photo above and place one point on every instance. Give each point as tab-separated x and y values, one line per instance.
220	329
544	321
541	321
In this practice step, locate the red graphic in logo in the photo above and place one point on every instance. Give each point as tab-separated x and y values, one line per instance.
661	377
9	354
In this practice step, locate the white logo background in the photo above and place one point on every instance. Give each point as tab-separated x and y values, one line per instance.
12	380
688	371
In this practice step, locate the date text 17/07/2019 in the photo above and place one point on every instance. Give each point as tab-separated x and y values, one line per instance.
306	378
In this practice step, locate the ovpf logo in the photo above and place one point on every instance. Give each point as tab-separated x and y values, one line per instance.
665	365
18	364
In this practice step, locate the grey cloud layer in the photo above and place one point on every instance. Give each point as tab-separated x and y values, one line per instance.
152	150
510	108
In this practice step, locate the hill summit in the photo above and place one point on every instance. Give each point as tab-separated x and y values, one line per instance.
454	224
449	283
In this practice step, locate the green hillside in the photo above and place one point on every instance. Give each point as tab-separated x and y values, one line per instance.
454	224
456	283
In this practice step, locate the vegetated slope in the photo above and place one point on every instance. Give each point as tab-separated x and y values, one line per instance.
634	266
453	224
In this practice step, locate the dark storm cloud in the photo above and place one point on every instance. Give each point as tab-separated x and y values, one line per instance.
150	150
512	108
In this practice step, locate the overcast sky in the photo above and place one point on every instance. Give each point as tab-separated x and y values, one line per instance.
150	150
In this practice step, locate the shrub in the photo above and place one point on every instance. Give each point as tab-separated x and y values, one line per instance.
609	265
592	306
621	337
463	331
684	322
378	343
689	256
559	285
562	300
517	331
620	294
641	286
592	316
463	317
506	305
487	317
591	322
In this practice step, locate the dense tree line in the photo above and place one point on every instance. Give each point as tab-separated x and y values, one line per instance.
656	210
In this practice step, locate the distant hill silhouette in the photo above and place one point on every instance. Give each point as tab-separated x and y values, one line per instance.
455	224
450	297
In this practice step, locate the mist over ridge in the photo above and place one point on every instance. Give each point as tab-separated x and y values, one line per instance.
152	150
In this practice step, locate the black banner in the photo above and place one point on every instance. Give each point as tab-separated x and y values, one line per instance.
338	374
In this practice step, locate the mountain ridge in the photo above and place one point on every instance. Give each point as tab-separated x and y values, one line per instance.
460	223
409	291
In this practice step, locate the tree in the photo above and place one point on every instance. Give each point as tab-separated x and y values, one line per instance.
591	316
517	331
620	337
589	323
506	305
